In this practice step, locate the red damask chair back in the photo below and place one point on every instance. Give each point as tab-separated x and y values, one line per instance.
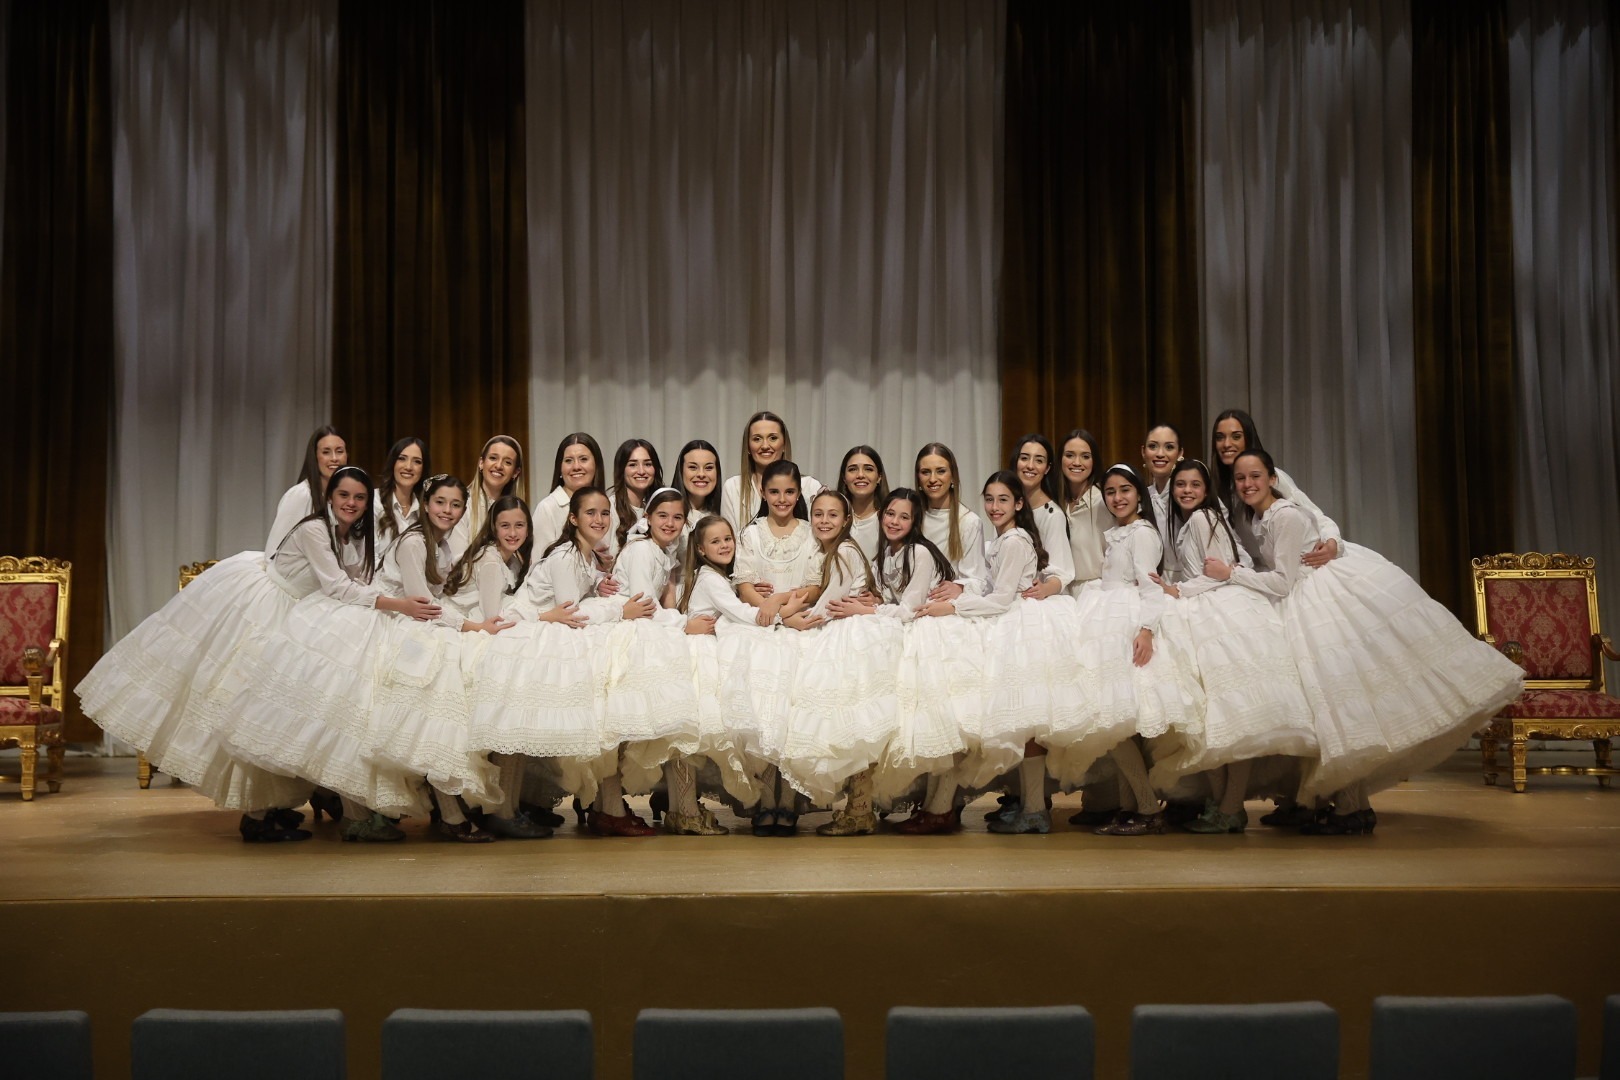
1542	611
34	597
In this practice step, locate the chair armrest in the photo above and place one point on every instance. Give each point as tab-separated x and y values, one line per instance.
34	669
1605	646
1514	652
55	651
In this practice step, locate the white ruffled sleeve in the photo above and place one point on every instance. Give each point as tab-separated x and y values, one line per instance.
410	555
924	576
1324	524
972	571
713	593
747	569
1054	527
293	508
1286	538
1015	563
845	580
1147	550
310	541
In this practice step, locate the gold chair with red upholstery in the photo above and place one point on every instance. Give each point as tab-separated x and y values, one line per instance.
33	639
1542	612
188	573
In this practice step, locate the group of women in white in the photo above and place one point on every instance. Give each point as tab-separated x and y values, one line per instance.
1174	635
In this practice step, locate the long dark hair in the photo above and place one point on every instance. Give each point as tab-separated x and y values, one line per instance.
431	536
1144	503
385	486
881	495
1271	471
696	560
782	467
1049	482
310	474
710	505
1210	507
1225	488
913	539
461	573
654	501
622	506
1024	516
579	438
364	529
570	529
1070	497
953	504
834	558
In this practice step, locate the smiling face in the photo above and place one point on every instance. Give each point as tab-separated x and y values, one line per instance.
718	545
331	454
349	502
766	442
1001	506
445	508
1230	440
638	472
1032	466
408	467
1123	500
1160	453
1253	482
578	468
935	479
1077	462
827	518
666	522
511	531
498	467
592	520
782	496
896	522
861	476
1188	490
700	471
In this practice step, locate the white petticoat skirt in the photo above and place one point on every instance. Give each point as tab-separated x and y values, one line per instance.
150	689
941	687
1395	683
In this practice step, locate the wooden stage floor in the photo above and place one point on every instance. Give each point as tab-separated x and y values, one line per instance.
138	899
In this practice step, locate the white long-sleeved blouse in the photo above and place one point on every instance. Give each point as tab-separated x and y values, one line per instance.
1012	560
1133	555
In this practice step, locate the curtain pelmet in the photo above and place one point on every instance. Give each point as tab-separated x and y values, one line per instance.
56	308
1462	246
1099	302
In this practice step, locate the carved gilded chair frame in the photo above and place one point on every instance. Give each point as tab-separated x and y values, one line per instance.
37	689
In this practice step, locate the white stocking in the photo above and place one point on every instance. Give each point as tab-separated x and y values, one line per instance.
610	797
1032	778
1133	778
682	783
1237	786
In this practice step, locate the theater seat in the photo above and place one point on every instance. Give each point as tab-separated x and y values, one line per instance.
1290	1041
739	1044
54	1044
181	1044
433	1044
1468	1038
1056	1043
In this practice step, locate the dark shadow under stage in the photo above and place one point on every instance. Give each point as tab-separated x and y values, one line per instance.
119	900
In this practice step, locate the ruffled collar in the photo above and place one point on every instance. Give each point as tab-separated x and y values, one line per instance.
1120	532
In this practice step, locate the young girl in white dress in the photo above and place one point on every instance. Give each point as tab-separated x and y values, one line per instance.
1254	706
1141	683
637	473
1034	463
1234	432
948	523
499	473
765	440
578	465
1081	500
865	487
777	570
325	454
398	501
1395	683
1161	450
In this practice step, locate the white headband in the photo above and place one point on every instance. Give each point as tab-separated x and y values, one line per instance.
641	528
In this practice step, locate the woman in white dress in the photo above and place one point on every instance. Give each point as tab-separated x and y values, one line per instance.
864	485
948	523
1033	462
1081	500
1141	684
637	473
499	473
1234	432
578	465
765	440
325	454
777	571
1161	450
399	493
1254	705
1395	683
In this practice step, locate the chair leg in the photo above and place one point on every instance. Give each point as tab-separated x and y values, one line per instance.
53	779
1487	753
1521	749
1601	748
143	771
30	760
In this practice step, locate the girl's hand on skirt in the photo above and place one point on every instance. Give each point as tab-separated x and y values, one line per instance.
698	625
639	607
1042	589
945	590
803	620
1218	570
937	607
420	608
850	605
1142	647
1323	553
566	613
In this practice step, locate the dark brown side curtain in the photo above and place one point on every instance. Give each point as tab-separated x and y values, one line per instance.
1099	303
1462	284
429	322
56	308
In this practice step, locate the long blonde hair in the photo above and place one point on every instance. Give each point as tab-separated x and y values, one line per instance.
833	555
477	500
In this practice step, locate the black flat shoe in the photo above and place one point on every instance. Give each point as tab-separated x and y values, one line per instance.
1291	816
266	831
786	825
542	815
286	818
325	802
658	805
765	823
1359	823
465	833
1090	819
579	813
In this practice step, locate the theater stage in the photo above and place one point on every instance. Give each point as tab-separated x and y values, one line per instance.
118	900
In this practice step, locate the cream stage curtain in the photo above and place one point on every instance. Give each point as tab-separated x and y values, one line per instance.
1561	72
222	195
1305	233
790	205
